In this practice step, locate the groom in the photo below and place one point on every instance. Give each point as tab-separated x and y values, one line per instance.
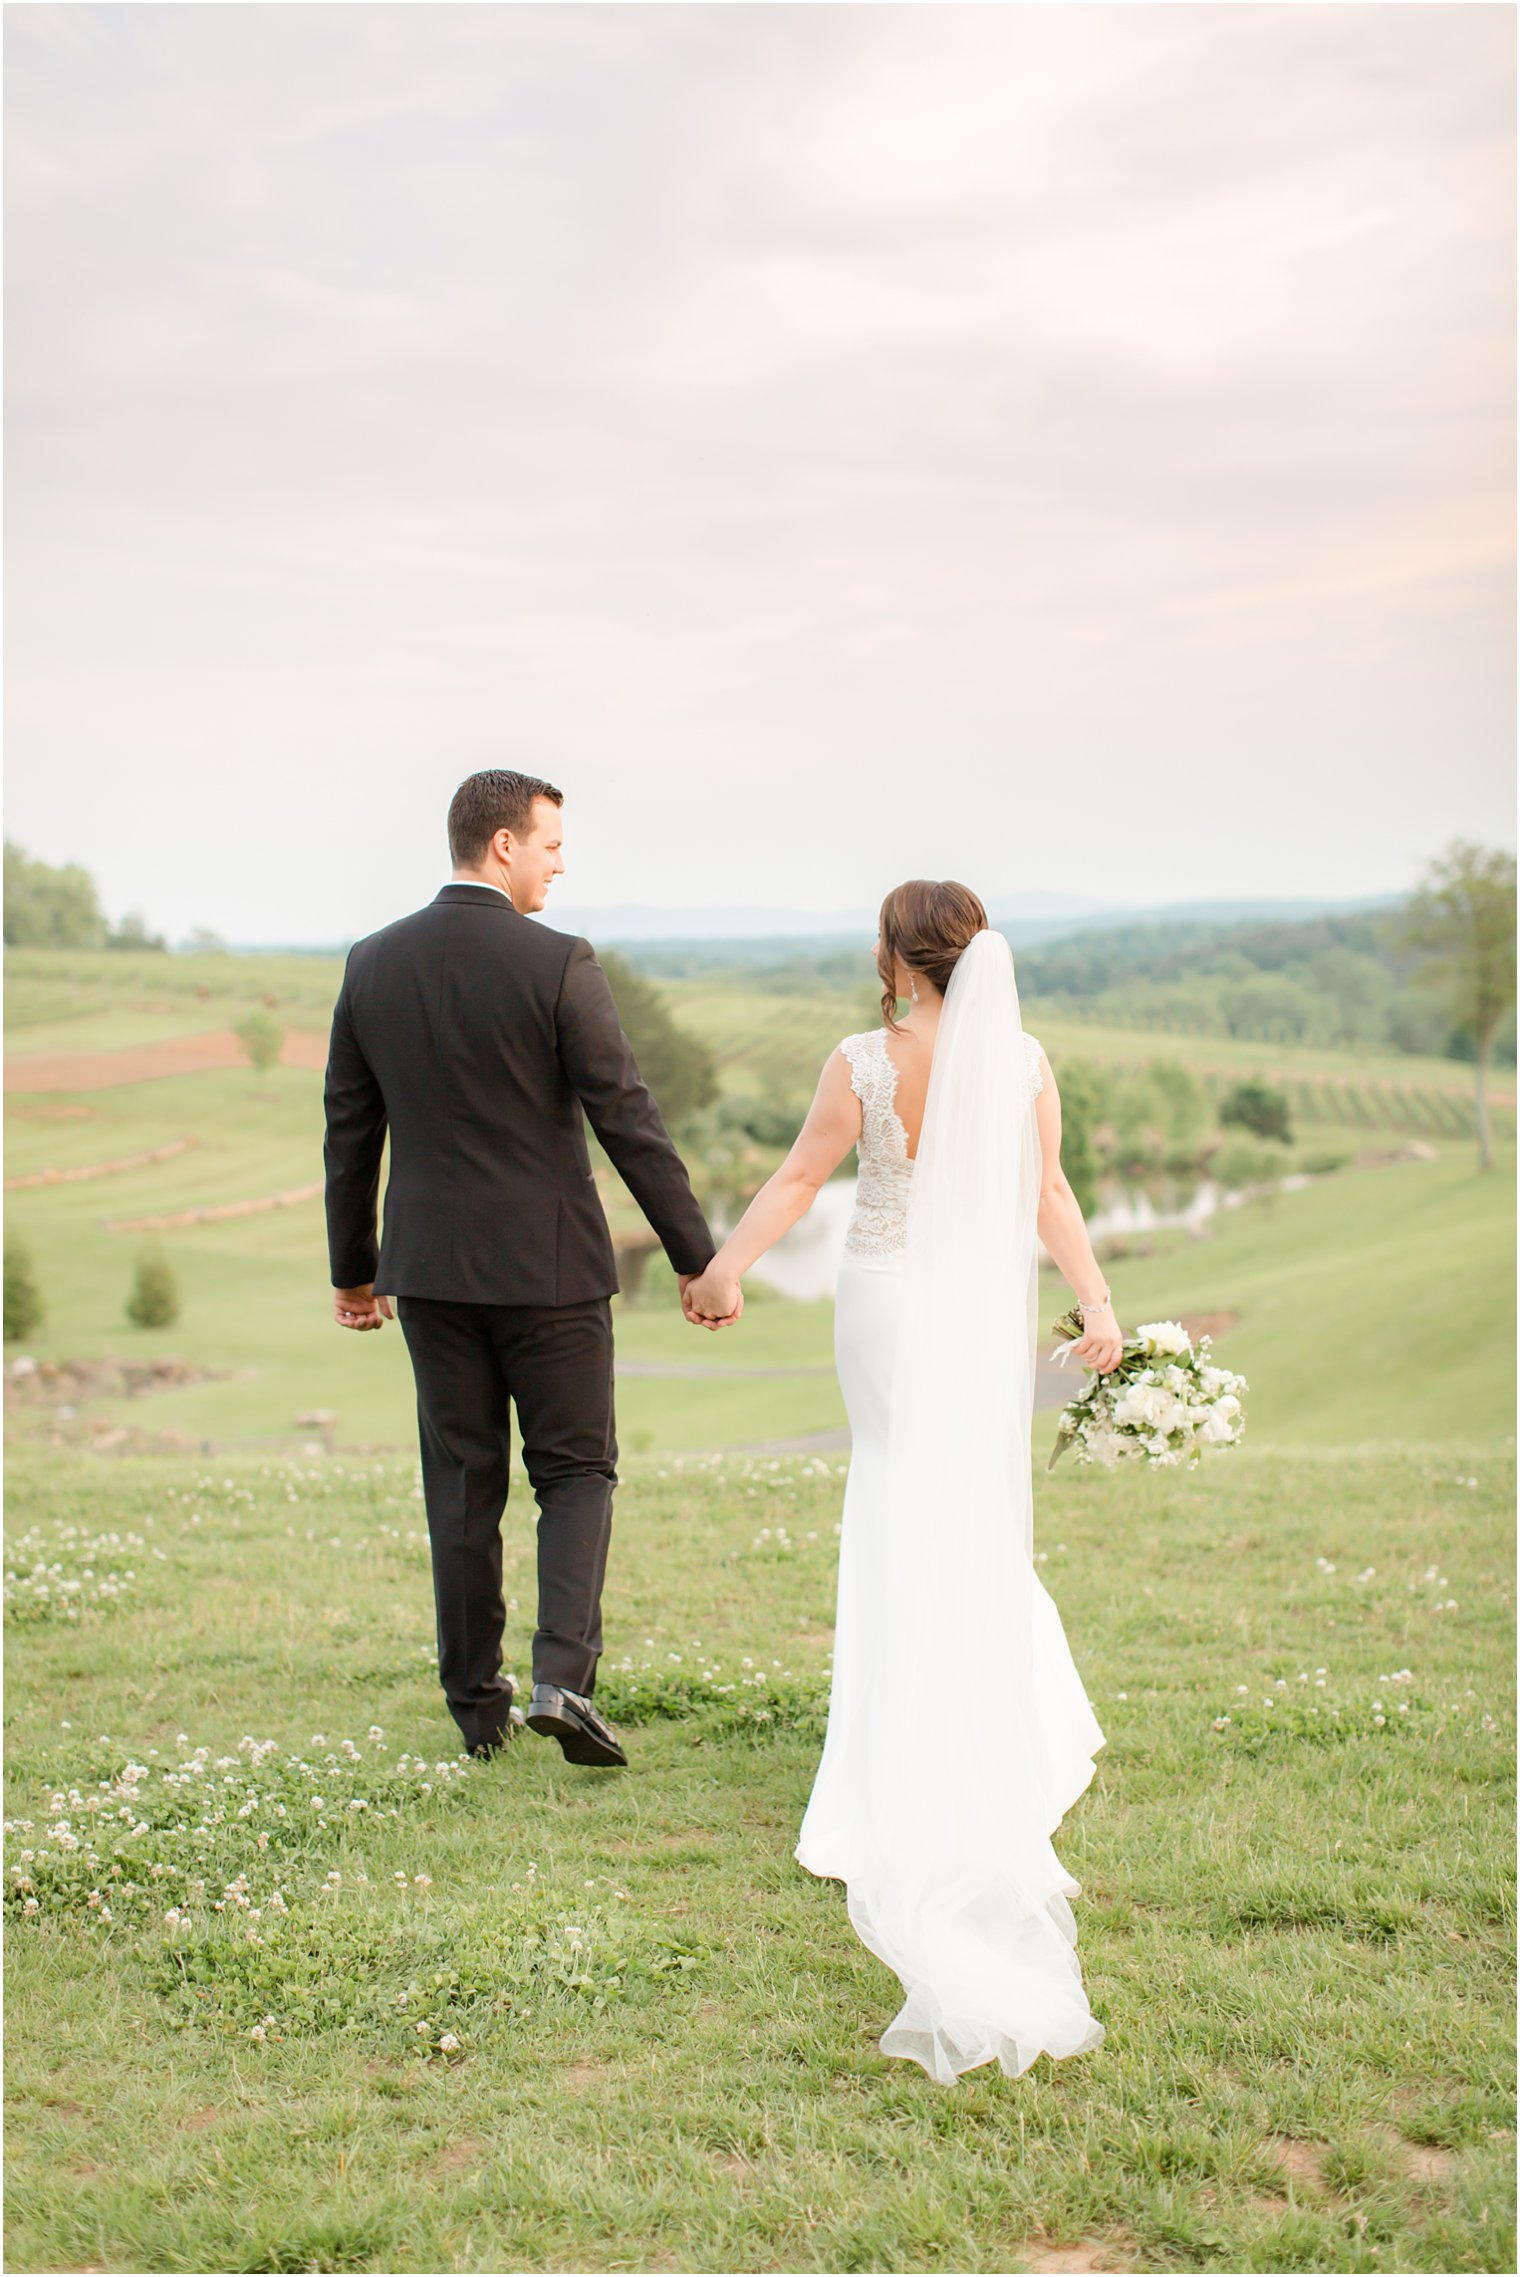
476	1039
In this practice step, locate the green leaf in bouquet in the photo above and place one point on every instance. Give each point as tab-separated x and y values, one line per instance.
1066	1431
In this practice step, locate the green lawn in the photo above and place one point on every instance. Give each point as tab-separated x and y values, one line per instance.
61	1000
1373	1305
1295	1925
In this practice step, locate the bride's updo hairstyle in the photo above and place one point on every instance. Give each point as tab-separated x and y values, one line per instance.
925	925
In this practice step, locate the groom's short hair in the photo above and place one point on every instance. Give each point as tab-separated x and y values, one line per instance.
495	799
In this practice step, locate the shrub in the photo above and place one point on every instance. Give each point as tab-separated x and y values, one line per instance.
154	1302
1321	1160
260	1038
1260	1108
23	1298
1250	1165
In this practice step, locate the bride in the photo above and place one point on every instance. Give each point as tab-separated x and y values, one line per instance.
959	1733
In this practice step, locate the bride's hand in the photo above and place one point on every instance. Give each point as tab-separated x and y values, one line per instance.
712	1300
1101	1345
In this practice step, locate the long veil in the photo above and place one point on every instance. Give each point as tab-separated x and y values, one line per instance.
979	1733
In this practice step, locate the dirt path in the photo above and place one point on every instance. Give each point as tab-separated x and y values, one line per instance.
217	1211
178	1055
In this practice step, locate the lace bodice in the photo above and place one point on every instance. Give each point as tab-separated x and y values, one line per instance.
879	1224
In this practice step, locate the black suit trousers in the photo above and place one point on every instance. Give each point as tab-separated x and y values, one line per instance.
553	1363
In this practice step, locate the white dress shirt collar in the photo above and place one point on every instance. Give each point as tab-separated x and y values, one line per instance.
506	897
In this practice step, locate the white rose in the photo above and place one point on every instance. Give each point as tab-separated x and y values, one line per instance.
1166	1336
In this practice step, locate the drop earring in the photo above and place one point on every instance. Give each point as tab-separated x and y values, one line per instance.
912	990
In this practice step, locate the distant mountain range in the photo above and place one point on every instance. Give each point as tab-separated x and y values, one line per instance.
1026	919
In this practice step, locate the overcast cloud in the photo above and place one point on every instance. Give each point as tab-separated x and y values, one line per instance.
1064	447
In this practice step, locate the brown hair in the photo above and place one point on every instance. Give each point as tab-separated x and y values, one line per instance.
925	925
493	800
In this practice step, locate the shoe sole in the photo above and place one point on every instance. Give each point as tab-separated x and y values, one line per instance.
578	1744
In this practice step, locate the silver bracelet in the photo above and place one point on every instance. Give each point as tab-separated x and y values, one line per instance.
1095	1304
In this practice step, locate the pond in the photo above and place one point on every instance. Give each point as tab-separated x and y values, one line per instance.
805	1263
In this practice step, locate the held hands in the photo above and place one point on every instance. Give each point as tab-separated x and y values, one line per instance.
711	1299
361	1308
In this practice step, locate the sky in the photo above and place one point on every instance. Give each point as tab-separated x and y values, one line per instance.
1068	448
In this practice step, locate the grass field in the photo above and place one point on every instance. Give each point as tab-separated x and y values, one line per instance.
766	1042
647	2037
1370	1304
615	2026
1399	1271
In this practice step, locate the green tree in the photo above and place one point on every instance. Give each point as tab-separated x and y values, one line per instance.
260	1038
132	933
1078	1085
1251	1165
1271	1008
1258	1107
678	1068
1461	922
154	1302
1356	992
23	1298
48	908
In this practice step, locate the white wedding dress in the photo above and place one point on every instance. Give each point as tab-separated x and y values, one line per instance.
959	1732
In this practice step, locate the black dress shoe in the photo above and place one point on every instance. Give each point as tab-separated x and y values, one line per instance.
570	1718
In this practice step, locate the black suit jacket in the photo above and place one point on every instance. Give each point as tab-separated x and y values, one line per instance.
477	1039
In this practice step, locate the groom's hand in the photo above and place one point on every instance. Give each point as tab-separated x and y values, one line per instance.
709	1303
361	1308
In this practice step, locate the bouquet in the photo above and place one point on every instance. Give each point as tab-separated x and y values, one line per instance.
1164	1401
